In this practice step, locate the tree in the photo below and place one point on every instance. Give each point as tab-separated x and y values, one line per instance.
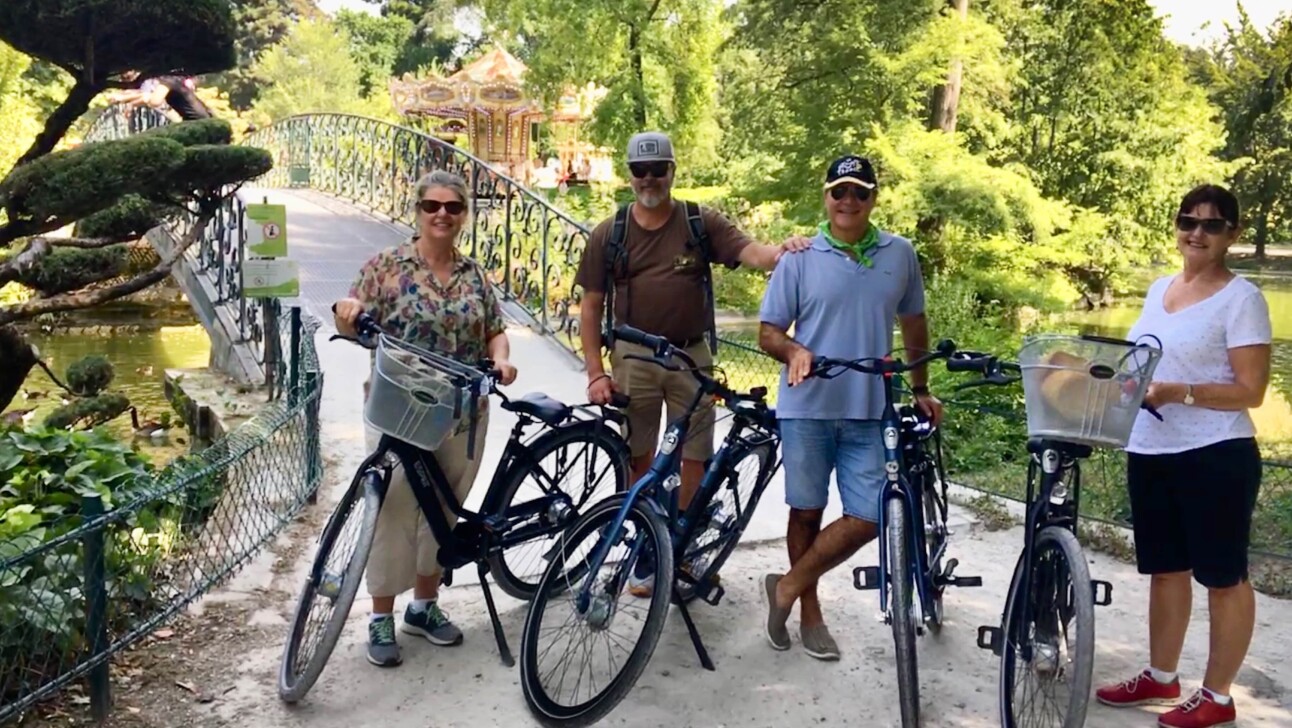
1249	77
376	44
311	70
655	57
19	117
945	103
116	190
435	38
261	24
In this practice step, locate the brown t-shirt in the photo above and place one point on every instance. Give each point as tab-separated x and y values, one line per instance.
667	277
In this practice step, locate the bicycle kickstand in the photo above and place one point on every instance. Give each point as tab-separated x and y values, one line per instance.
503	650
702	653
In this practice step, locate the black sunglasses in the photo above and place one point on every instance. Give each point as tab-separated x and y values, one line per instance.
658	170
861	193
1210	225
453	207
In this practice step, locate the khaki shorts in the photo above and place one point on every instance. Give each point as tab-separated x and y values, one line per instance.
648	386
404	545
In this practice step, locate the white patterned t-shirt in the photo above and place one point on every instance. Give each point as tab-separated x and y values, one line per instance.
1195	350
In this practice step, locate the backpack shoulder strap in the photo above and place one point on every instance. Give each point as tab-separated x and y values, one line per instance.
616	256
700	239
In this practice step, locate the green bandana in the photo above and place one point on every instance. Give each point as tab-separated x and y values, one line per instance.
860	249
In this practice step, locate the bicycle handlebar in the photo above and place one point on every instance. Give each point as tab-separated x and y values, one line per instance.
369	330
824	367
663	352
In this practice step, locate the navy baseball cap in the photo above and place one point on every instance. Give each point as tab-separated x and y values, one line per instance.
851	169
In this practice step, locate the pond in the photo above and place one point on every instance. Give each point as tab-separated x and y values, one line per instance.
1274	418
140	359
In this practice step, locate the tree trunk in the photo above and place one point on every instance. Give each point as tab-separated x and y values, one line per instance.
946	98
18	357
639	77
77	103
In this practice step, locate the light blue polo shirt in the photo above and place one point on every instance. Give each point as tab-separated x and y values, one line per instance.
841	308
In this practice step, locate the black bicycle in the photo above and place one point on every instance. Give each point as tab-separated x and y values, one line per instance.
642	532
912	519
541	485
1046	637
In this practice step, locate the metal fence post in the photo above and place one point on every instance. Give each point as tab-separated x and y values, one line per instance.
273	345
96	607
293	392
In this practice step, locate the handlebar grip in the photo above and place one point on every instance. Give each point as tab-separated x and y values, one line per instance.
968	361
365	325
639	337
619	400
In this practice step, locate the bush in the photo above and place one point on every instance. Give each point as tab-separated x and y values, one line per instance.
69	269
131	217
90	375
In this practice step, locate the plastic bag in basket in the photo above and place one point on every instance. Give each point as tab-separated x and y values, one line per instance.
1071	390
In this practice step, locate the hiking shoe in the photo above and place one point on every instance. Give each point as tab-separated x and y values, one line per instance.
383	651
1199	711
1139	690
818	643
778	636
433	624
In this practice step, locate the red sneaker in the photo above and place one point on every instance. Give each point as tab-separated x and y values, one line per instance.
1199	711
1139	690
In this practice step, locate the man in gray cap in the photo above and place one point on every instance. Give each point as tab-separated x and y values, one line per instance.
653	260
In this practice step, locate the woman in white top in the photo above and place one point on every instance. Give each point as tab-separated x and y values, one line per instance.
1194	475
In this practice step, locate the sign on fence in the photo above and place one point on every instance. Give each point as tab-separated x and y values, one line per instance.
267	230
270	278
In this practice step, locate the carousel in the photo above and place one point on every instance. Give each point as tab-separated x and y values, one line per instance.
484	109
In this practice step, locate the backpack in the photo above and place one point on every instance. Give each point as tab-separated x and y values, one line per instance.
617	256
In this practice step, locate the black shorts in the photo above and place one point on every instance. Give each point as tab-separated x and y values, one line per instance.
1193	510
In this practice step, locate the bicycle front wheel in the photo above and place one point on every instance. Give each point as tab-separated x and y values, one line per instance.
897	533
571	632
330	587
1045	669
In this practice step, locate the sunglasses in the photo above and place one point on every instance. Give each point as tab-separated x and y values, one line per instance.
861	193
658	170
1210	225
453	207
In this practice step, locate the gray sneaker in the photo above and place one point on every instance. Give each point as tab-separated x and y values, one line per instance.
777	633
818	643
433	624
383	651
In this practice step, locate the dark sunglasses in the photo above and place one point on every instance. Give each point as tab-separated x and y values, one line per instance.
861	193
658	170
1210	225
453	207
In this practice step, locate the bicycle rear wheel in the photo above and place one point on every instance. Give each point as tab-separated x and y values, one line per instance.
330	587
588	462
557	692
896	532
1045	671
935	538
711	539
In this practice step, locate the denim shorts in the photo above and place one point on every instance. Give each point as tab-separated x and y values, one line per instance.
852	449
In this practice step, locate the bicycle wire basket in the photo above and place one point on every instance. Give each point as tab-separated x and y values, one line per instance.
1085	389
418	396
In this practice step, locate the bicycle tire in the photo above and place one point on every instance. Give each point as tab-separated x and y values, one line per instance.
1082	611
595	434
766	452
364	493
900	607
602	515
934	541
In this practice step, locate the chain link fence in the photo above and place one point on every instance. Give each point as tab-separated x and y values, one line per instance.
105	548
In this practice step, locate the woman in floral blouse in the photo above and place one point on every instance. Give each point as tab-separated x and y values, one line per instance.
426	292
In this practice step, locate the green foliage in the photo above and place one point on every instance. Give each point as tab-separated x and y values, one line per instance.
88	412
206	168
377	44
434	39
70	269
152	36
131	217
260	25
192	133
311	70
19	116
90	375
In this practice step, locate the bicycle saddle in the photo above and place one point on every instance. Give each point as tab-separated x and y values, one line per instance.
541	407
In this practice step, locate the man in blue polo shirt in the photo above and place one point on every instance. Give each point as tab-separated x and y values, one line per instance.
841	296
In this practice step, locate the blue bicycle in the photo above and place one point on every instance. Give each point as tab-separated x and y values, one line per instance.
583	588
912	519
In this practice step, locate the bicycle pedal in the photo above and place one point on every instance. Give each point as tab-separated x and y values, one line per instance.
965	581
713	595
1102	591
866	577
991	638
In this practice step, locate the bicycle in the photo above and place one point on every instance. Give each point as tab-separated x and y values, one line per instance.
644	527
419	396
912	520
1051	591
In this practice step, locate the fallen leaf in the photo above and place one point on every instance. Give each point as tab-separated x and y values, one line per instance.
187	686
164	634
133	709
80	700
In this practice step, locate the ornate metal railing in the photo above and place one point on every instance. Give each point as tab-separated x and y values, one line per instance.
528	246
217	258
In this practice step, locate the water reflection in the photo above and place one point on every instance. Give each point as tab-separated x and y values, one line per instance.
1274	418
140	359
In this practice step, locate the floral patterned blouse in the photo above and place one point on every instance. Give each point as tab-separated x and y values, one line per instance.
402	293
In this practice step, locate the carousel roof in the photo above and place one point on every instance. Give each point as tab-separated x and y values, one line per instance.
496	66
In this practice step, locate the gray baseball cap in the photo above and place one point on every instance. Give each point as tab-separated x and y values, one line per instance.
650	146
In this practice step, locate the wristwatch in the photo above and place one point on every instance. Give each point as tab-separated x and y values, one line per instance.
1188	395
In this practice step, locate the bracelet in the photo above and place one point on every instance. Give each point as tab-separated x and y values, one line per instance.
920	391
595	380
